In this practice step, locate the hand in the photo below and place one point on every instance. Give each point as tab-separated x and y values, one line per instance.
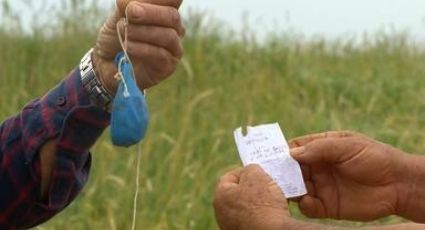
154	32
348	176
249	199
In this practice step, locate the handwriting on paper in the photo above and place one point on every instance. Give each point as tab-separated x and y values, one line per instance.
266	146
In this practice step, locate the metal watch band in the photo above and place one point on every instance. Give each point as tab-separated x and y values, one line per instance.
98	95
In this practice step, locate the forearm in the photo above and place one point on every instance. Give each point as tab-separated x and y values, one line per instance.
47	161
412	189
44	150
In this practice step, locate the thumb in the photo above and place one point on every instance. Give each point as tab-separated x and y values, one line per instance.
121	6
330	150
107	44
254	174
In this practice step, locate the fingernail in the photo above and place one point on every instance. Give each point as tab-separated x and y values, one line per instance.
137	10
298	151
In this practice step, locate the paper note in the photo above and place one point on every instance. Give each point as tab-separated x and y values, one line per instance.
266	146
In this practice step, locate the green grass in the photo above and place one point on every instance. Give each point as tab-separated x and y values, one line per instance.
376	87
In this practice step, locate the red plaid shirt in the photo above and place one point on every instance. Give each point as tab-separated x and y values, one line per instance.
66	114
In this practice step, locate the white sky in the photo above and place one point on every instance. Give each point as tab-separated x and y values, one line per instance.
329	18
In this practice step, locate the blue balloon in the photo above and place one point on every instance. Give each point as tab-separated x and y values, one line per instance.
130	117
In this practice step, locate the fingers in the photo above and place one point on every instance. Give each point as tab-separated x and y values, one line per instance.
329	150
304	140
319	151
251	173
153	41
232	177
312	207
165	38
306	170
254	174
160	57
122	4
155	15
227	185
228	182
106	45
311	189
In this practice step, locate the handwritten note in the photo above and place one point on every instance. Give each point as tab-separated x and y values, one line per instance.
266	146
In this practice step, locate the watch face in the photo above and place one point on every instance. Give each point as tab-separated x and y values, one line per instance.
86	64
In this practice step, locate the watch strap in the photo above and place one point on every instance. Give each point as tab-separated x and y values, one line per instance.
97	93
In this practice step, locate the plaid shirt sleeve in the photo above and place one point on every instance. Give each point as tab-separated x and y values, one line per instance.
65	114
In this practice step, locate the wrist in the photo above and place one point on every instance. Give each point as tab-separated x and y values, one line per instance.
105	72
93	85
411	188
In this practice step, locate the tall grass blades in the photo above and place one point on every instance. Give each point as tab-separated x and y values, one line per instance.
376	86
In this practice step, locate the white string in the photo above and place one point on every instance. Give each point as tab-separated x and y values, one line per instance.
123	42
136	194
126	92
127	58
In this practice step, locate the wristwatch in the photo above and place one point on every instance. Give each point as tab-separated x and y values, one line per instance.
98	94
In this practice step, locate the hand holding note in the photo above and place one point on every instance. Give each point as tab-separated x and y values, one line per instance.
266	146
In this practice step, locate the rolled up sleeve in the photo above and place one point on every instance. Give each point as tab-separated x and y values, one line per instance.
66	115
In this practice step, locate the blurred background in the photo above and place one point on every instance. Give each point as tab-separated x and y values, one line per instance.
328	18
312	66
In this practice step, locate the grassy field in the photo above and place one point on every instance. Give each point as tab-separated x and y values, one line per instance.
376	87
